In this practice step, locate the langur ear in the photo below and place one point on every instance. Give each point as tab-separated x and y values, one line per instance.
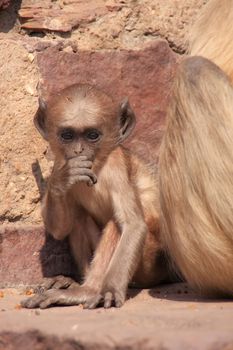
40	119
127	120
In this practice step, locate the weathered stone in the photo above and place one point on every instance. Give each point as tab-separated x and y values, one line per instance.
144	75
91	23
28	254
19	77
4	4
63	16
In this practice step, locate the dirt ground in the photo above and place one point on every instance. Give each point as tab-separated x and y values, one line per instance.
130	26
169	317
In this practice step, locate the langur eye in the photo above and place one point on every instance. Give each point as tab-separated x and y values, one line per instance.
67	135
93	135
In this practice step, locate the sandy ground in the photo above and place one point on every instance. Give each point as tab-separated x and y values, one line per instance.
165	318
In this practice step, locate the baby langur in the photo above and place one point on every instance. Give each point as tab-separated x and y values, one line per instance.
101	196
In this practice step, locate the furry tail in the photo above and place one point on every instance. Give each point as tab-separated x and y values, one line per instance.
212	35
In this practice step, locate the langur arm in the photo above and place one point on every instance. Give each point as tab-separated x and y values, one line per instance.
58	214
89	293
59	206
128	251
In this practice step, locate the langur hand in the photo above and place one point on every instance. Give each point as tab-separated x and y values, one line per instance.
112	294
69	172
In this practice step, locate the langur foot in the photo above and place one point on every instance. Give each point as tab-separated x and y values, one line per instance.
56	282
68	297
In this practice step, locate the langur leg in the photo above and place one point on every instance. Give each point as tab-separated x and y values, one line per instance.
154	267
89	292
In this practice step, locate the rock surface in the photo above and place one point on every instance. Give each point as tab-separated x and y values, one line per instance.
18	101
60	16
4	4
171	318
111	24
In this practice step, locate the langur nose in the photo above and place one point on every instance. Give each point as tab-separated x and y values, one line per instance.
78	150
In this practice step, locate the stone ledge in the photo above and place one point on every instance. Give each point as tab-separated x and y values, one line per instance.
168	317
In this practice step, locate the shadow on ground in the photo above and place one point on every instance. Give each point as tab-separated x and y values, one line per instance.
9	16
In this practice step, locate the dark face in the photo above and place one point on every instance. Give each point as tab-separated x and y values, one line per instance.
73	142
81	126
82	120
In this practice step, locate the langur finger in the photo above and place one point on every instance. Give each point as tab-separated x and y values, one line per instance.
81	178
74	285
45	285
93	302
74	159
80	164
48	302
92	181
33	302
81	171
119	299
55	297
62	282
57	282
108	297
